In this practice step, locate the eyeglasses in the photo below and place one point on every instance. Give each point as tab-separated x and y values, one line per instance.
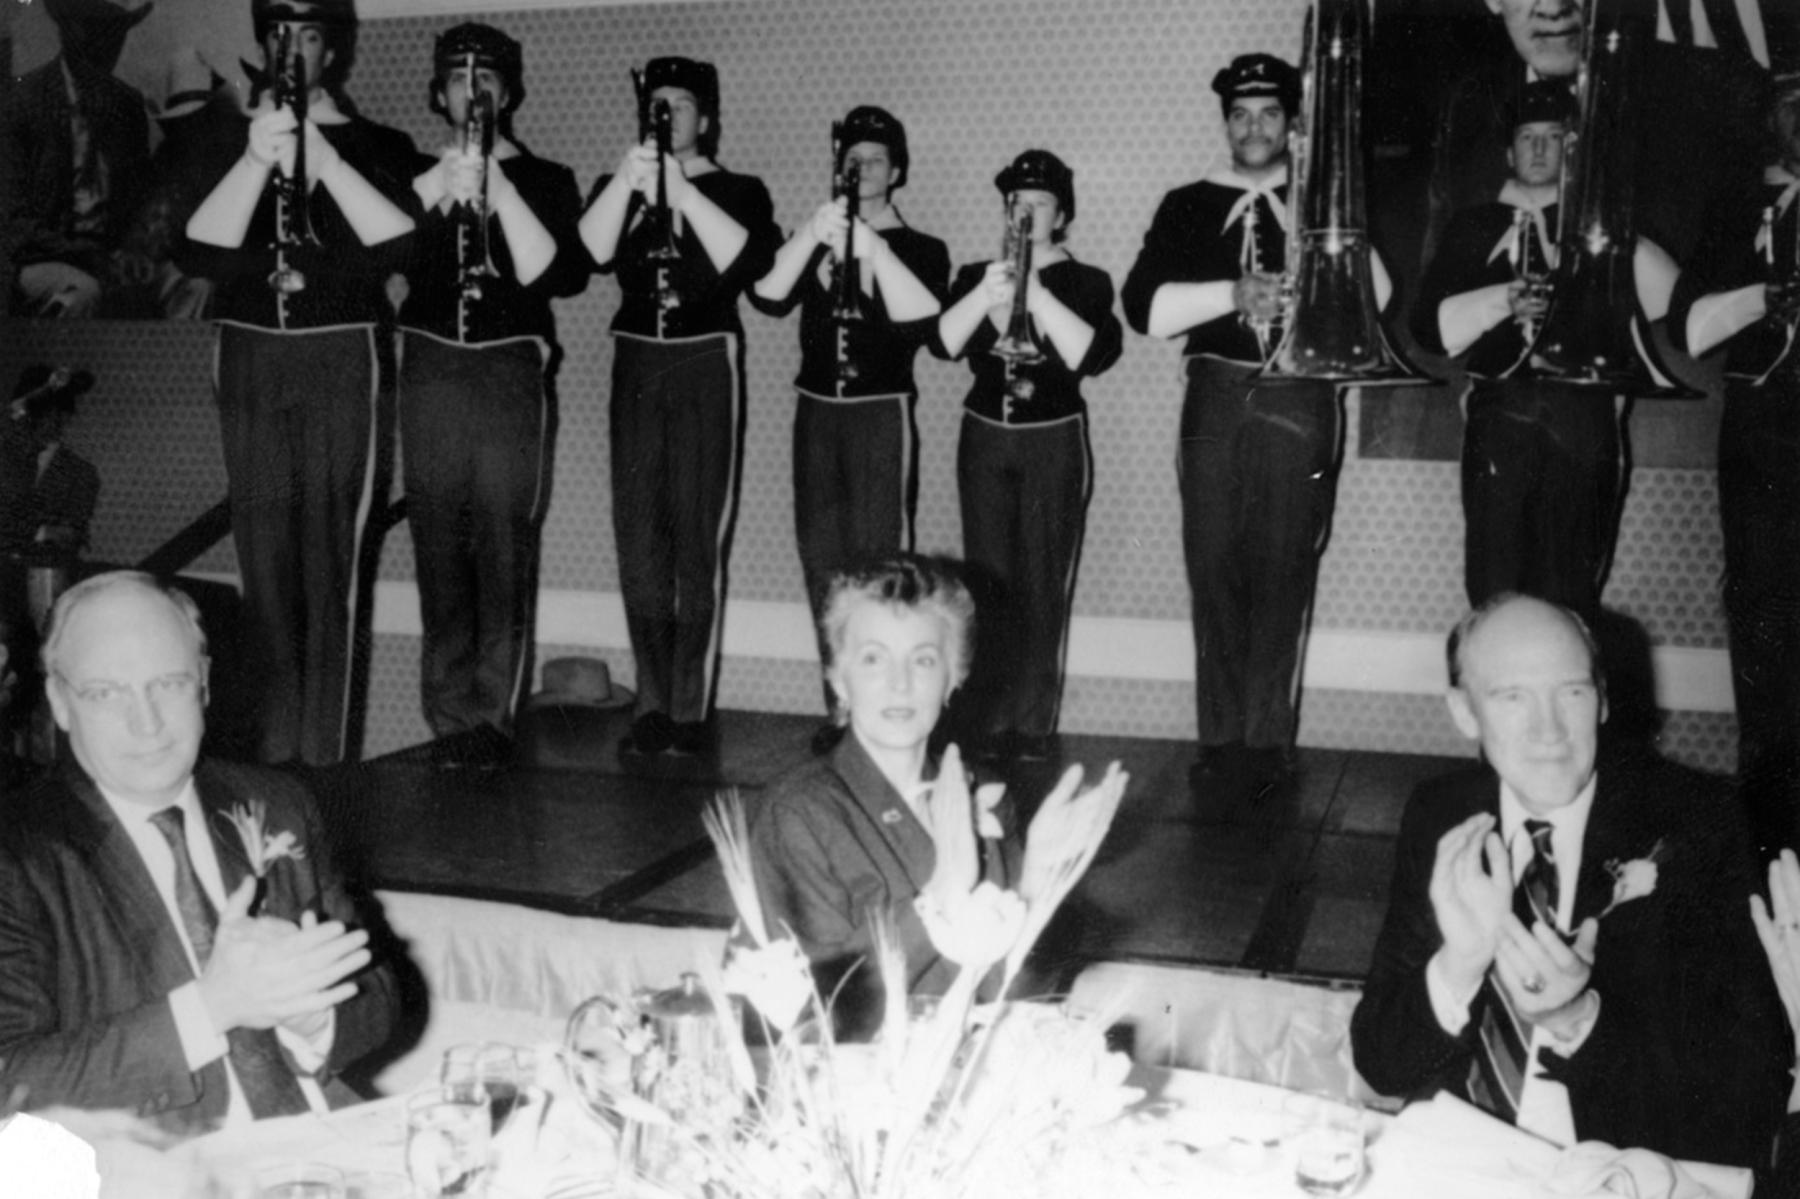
116	698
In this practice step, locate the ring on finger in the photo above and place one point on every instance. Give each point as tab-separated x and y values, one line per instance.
1534	985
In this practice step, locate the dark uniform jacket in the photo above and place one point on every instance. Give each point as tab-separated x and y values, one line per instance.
881	350
1466	262
1055	385
1730	259
708	299
89	952
1689	1055
1189	242
435	303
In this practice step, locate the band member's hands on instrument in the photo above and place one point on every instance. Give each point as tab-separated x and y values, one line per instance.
272	140
1527	301
1258	297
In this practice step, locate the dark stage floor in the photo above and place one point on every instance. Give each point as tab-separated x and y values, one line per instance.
1294	886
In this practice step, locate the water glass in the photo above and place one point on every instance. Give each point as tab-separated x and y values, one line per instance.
1325	1138
448	1130
299	1180
491	1067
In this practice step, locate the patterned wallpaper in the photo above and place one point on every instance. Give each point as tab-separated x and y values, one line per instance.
1121	93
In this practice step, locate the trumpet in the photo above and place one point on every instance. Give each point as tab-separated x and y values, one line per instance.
1262	326
473	251
656	119
293	213
846	283
1531	268
1331	324
1016	345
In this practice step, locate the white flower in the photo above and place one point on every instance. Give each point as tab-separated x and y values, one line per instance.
774	977
262	848
1634	879
975	930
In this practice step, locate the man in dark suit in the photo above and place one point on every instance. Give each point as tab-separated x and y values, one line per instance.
74	158
173	938
1642	1010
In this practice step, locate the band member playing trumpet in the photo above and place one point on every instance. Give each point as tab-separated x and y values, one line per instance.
298	303
1542	464
856	467
1743	292
1024	467
1257	465
495	243
677	406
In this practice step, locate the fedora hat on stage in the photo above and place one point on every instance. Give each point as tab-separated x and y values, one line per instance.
582	682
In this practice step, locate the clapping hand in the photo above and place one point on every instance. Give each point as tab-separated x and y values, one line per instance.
264	971
1067	830
951	822
1778	928
1471	897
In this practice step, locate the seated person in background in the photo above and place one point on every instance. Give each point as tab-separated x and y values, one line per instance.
74	158
49	492
173	938
1564	943
846	834
1778	927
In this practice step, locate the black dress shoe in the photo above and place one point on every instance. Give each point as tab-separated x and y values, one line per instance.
1216	769
1267	768
651	734
826	737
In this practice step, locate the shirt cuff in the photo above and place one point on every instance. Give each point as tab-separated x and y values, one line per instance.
1717	317
1451	1009
201	1041
1578	1035
1462	319
309	1053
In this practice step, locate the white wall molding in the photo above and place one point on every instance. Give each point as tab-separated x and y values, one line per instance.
1358	660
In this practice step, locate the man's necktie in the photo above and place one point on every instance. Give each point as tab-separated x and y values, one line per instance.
1497	1077
268	1082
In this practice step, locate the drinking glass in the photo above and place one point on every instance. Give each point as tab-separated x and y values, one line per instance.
448	1130
299	1180
1326	1139
490	1067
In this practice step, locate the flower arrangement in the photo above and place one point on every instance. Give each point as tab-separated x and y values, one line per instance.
954	1098
261	847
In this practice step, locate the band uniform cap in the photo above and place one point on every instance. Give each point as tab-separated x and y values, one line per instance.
96	17
492	49
40	373
1258	75
1040	170
699	78
188	84
582	682
263	13
867	123
1542	100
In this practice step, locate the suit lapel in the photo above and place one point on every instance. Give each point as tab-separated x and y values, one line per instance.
886	811
123	886
1614	834
228	846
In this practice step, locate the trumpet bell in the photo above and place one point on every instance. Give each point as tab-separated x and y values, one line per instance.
1334	331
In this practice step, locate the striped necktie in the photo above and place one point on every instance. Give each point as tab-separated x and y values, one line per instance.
1497	1076
268	1082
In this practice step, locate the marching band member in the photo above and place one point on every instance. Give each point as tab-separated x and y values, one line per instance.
474	402
685	237
1024	466
300	269
1743	292
1258	466
856	466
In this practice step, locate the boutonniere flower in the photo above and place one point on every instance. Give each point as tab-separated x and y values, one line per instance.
1636	878
262	848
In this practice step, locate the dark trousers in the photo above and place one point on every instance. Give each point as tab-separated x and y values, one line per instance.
473	427
1543	470
1025	491
677	442
856	484
1759	510
1258	470
297	415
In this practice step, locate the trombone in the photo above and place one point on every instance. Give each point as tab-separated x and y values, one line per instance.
1331	324
293	211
